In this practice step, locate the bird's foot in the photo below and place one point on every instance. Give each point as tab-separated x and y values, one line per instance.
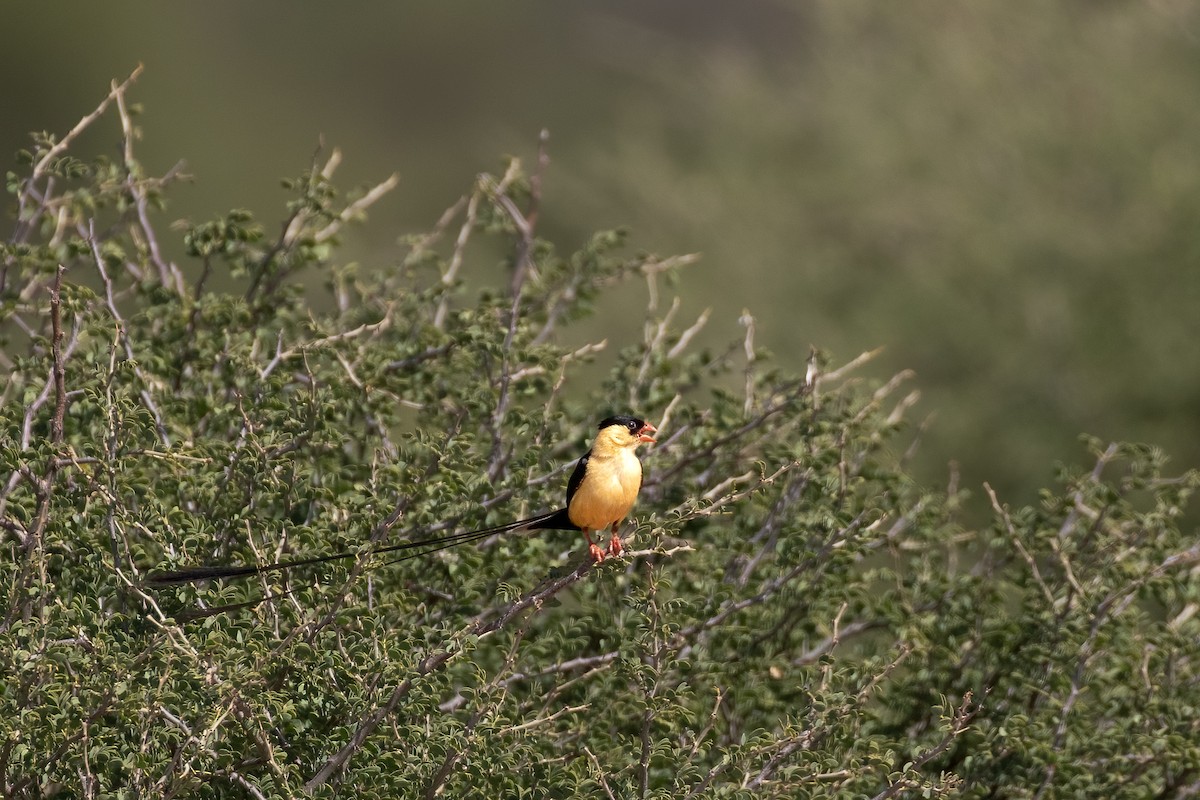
596	553
614	545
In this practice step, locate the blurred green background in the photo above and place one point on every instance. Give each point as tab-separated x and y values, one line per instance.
1005	196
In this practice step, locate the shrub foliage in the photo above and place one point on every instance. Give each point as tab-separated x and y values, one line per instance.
795	618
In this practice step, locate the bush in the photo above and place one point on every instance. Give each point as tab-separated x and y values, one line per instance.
795	618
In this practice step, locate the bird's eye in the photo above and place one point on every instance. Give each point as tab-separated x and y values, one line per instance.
633	426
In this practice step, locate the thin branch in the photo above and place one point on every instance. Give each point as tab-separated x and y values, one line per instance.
562	712
31	414
499	194
527	223
959	722
423	243
456	258
60	379
144	392
454	754
827	645
570	665
600	773
850	366
360	205
59	148
747	320
1073	515
281	355
169	275
652	268
1012	535
803	741
43	486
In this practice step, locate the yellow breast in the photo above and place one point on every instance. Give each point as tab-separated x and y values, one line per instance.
608	490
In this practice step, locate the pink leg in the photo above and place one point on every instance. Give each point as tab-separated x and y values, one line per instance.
593	549
614	544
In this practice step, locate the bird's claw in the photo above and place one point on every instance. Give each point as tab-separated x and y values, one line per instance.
614	545
595	551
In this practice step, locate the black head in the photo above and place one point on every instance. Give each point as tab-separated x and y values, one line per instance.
639	429
632	423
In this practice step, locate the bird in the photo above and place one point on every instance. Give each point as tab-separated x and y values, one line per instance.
600	494
606	482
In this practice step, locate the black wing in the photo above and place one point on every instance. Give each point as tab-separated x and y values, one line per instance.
577	477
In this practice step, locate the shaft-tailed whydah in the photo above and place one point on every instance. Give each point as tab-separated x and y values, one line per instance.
600	495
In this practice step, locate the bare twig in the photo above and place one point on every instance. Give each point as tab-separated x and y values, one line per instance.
169	275
747	320
528	223
570	665
826	645
499	195
456	258
144	392
600	773
426	241
851	365
60	374
43	486
1073	516
802	741
1012	535
652	268
60	147
686	337
282	355
360	205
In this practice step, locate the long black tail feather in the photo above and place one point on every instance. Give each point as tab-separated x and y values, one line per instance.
553	520
556	520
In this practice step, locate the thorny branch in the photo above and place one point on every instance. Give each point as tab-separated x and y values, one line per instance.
60	372
525	226
482	626
169	275
43	485
144	391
